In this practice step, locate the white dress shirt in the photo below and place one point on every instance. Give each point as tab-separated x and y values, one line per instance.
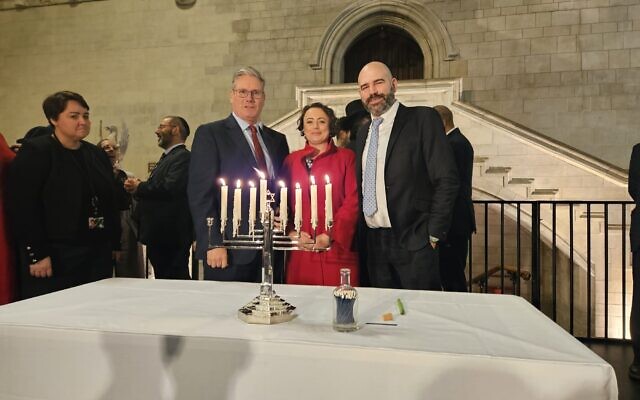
380	219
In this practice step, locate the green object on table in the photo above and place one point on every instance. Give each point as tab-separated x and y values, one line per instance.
400	306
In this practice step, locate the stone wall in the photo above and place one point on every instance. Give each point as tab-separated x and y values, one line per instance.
569	69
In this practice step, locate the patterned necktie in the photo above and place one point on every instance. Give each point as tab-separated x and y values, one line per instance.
259	154
369	201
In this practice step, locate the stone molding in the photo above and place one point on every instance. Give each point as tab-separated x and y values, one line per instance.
6	5
416	19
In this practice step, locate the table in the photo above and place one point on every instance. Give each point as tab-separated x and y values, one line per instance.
160	339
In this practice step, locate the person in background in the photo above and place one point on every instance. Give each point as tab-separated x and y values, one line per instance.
128	263
634	191
233	148
7	273
408	182
454	249
63	203
163	210
320	158
355	117
32	133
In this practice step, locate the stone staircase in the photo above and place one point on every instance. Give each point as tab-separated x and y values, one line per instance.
514	163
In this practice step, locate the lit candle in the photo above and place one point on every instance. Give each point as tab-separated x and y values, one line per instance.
263	194
328	204
252	206
224	194
283	206
314	203
297	216
237	207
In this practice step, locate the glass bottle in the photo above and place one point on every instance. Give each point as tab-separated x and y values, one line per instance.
345	310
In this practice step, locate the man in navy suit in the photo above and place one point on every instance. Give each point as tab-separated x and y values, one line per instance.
233	149
634	191
162	210
407	181
454	249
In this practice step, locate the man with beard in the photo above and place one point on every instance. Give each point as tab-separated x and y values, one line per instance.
163	209
408	183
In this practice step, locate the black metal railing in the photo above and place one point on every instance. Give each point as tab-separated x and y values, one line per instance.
568	258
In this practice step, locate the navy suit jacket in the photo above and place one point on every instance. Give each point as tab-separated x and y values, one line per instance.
634	191
220	150
162	209
463	219
421	180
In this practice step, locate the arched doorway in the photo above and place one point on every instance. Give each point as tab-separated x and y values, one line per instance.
393	46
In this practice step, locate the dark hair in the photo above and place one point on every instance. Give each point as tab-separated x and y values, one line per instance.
54	104
181	123
333	121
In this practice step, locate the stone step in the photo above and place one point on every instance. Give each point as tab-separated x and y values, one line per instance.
497	170
479	159
594	215
521	181
544	192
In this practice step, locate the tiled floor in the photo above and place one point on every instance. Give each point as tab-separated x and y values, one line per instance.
619	355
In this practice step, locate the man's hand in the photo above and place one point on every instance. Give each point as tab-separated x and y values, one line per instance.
217	258
41	269
131	185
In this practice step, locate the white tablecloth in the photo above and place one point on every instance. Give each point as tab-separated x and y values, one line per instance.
152	339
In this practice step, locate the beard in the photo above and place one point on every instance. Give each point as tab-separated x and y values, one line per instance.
382	107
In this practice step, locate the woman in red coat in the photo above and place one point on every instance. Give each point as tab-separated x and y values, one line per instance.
320	157
7	274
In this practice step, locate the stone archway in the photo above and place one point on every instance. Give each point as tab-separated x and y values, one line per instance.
393	46
421	23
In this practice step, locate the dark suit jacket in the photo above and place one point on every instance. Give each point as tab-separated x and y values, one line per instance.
634	191
163	209
420	176
463	219
49	197
220	150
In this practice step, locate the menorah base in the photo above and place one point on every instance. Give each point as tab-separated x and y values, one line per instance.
267	310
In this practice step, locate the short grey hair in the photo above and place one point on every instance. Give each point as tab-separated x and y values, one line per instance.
247	71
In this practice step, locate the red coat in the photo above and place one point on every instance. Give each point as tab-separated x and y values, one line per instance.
323	268
7	271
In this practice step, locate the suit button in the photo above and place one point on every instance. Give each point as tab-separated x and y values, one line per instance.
28	247
34	261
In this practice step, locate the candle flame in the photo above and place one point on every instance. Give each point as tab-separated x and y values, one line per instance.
238	183
281	183
252	184
326	178
297	185
260	173
313	180
222	182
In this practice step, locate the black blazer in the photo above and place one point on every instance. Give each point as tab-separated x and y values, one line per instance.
220	150
634	191
420	176
163	209
463	218
49	196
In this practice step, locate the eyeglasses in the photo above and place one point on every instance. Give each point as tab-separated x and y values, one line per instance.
243	93
162	126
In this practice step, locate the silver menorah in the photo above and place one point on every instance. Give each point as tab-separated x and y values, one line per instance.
266	308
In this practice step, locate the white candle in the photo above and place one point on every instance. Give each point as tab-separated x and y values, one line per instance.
237	207
224	194
252	206
283	206
328	204
297	216
314	203
263	194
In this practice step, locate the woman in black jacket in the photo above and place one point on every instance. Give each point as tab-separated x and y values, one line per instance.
63	203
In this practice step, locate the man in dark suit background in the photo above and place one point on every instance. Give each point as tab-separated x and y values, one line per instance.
407	181
163	210
232	149
634	191
454	249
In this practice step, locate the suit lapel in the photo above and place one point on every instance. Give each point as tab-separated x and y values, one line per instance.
398	124
239	141
363	134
